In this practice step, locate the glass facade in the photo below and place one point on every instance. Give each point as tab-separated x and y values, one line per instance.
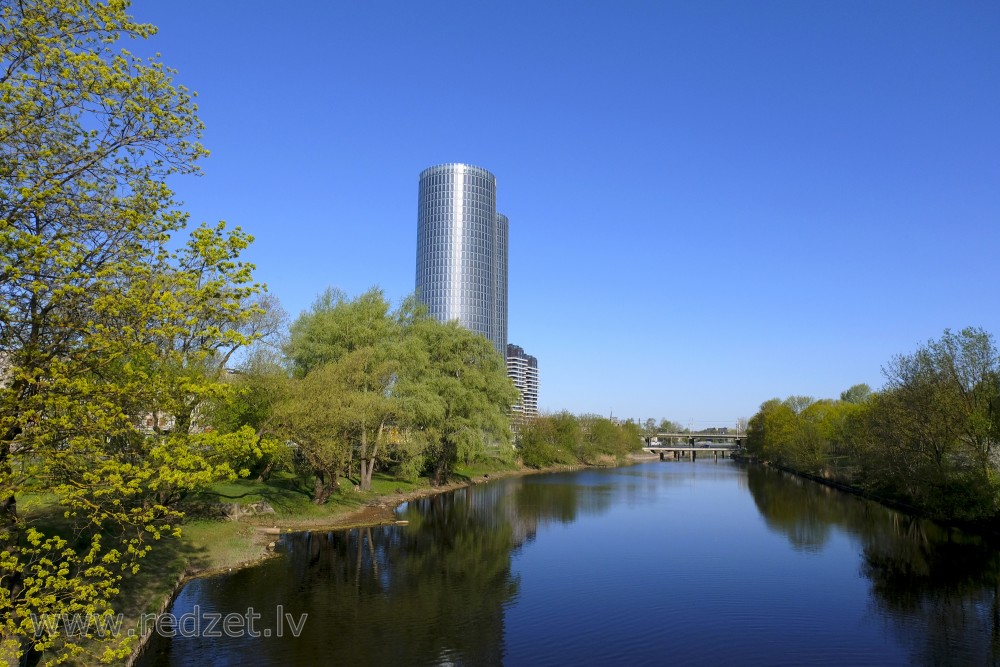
462	250
500	280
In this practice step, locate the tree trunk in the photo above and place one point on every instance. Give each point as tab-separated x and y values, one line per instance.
441	471
8	499
11	581
367	467
265	474
365	480
323	487
368	457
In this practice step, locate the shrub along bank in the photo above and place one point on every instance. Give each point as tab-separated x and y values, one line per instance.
930	439
567	439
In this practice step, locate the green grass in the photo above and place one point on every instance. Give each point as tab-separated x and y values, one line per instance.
35	503
468	472
292	500
216	544
286	494
210	543
385	485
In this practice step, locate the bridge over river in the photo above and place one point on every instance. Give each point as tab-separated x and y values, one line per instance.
694	444
690	452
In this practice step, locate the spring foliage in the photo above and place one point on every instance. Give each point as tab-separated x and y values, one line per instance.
929	438
563	438
374	388
105	328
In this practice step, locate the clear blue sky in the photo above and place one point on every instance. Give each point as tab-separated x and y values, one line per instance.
711	203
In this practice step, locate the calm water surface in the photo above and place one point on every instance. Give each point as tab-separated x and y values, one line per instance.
660	563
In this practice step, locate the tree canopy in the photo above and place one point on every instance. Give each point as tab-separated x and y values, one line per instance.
373	387
105	326
563	438
928	438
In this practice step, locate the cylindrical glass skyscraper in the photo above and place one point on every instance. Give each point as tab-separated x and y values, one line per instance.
500	279
462	250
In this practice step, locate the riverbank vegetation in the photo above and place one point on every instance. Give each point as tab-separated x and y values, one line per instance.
120	324
113	331
145	376
566	439
399	390
929	439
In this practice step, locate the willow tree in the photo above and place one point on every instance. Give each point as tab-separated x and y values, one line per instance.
362	363
365	372
461	396
347	353
101	324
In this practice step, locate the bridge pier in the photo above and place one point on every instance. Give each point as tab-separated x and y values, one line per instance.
682	452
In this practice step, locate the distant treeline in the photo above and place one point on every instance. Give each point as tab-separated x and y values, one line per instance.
928	439
564	438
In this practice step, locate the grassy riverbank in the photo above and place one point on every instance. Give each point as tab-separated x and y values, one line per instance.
211	544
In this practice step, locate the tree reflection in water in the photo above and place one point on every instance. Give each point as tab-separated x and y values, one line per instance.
443	589
937	589
430	592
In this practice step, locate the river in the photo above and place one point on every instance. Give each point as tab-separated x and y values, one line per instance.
677	562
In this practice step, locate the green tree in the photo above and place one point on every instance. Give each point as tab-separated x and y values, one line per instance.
668	426
442	390
812	443
257	388
771	432
367	383
931	435
858	393
310	417
337	325
807	434
799	403
360	349
550	439
101	323
462	396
